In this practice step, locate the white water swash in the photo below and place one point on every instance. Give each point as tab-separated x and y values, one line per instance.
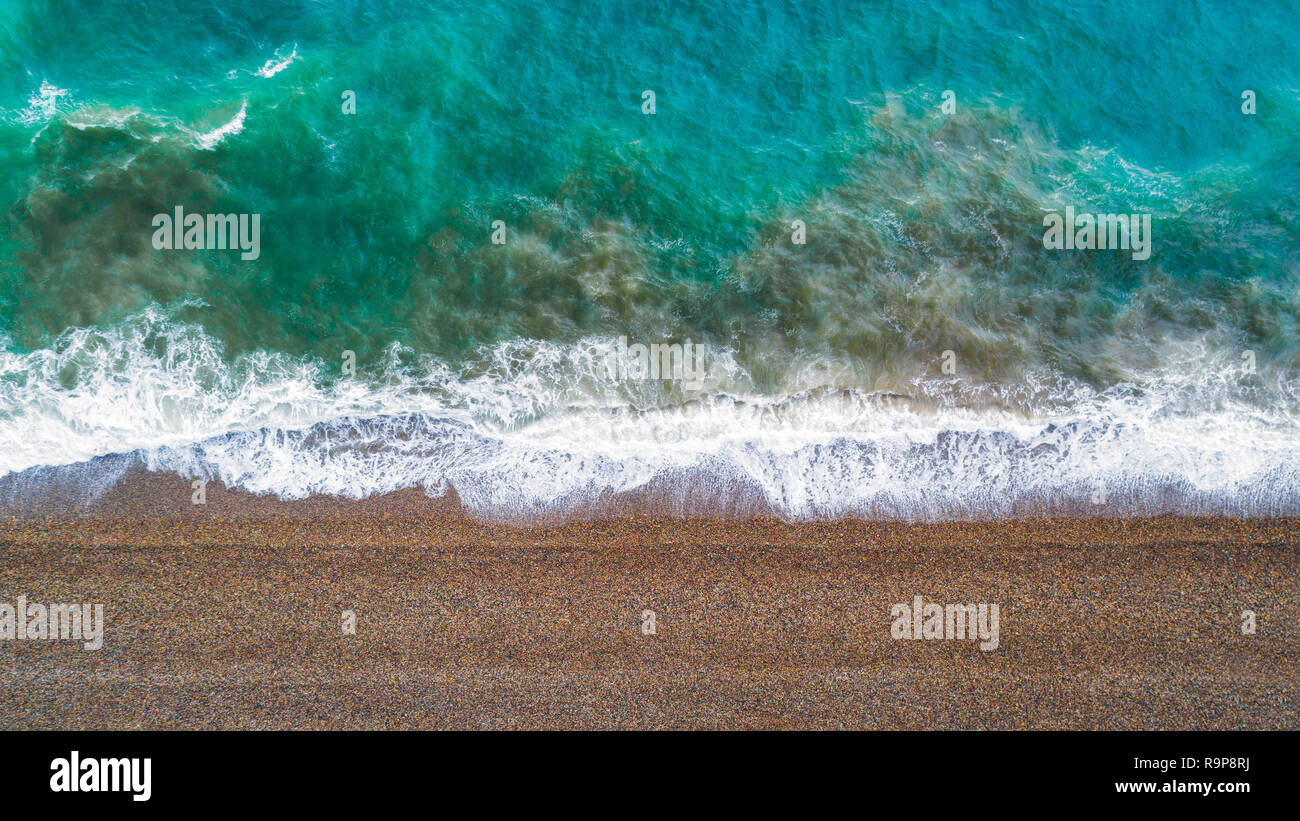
542	430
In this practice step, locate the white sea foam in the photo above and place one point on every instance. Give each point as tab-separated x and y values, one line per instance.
235	125
277	64
102	117
539	430
42	105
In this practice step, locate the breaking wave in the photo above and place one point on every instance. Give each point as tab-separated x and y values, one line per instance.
532	431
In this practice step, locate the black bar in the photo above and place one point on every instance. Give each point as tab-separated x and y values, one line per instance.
1008	770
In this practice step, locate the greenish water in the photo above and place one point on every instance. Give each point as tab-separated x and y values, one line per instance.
1163	383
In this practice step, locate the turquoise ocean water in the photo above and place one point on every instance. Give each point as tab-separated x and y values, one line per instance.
920	355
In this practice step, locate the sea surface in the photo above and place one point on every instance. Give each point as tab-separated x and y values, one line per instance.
919	355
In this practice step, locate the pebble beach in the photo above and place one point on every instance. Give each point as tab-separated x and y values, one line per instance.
230	616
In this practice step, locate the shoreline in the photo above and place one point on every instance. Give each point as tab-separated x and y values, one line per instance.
228	616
